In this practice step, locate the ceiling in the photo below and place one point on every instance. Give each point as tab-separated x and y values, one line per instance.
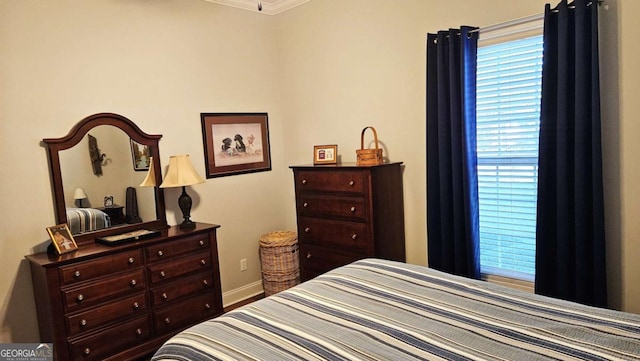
269	7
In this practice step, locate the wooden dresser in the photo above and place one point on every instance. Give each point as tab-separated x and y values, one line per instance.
347	212
122	302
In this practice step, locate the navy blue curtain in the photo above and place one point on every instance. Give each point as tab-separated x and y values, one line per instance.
452	180
570	241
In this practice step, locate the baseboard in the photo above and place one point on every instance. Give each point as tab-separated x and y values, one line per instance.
240	294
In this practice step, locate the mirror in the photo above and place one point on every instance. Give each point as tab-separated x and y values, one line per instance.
102	161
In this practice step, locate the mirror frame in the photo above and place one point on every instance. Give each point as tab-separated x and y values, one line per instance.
75	135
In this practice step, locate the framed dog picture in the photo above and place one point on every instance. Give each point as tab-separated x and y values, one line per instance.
62	239
325	154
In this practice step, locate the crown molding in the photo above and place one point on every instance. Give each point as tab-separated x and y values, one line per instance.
269	7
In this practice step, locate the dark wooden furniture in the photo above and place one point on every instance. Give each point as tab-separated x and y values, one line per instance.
115	212
348	212
123	302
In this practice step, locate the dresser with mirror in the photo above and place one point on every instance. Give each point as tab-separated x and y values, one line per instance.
120	301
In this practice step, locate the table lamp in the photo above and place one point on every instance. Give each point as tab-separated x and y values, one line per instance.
181	174
79	195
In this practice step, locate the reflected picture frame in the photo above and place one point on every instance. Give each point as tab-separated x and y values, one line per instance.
62	239
325	154
140	155
235	143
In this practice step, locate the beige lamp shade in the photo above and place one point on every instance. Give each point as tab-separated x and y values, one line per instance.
150	179
79	194
181	173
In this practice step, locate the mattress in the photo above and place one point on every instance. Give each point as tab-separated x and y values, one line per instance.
382	310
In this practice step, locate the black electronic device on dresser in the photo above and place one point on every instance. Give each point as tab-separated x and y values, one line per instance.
129	286
347	212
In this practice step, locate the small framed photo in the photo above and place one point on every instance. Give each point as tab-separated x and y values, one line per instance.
62	239
141	156
325	154
108	201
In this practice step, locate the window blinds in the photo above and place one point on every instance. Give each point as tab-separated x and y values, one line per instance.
509	79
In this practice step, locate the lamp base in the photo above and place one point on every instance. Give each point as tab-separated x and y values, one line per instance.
188	224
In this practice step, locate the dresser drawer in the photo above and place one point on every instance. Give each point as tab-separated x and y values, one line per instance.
180	266
176	248
351	208
99	345
87	270
184	287
352	235
97	317
351	181
186	313
317	260
105	290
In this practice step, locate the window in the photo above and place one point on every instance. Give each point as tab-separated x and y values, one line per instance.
509	80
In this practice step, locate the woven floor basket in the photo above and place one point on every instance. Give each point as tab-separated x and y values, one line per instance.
280	262
369	156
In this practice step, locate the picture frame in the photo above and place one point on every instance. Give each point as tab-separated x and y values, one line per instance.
62	239
235	143
108	201
325	154
140	155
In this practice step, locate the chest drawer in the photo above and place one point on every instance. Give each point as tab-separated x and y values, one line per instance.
105	290
97	317
83	271
353	235
180	266
173	249
352	208
101	344
184	287
317	260
185	313
351	181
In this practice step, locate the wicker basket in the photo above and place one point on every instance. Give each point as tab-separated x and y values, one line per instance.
280	262
369	156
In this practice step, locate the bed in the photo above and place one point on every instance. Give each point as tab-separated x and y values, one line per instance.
82	220
382	310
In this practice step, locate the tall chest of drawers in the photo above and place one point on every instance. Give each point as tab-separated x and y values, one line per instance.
347	212
122	302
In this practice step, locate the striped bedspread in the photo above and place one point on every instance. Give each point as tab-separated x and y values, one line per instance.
82	220
383	310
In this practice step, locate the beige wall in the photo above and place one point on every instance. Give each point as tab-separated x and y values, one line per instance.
322	71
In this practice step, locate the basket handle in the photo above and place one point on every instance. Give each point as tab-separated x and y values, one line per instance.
375	137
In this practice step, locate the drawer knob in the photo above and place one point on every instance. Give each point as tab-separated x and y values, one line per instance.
353	209
162	274
201	243
308	255
76	274
87	351
164	296
167	320
80	298
307	230
304	181
207	306
133	283
160	253
83	322
305	205
203	262
131	260
354	236
136	305
205	283
351	183
138	331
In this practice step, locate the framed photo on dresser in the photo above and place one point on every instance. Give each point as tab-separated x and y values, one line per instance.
62	239
325	154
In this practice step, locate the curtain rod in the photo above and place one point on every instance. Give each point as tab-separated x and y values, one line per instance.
519	21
